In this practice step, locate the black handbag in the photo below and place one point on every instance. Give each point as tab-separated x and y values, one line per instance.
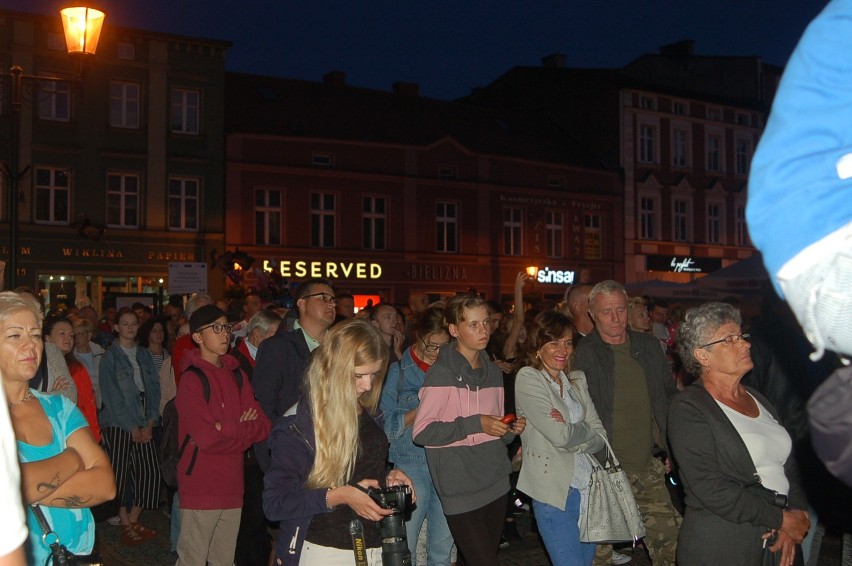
59	555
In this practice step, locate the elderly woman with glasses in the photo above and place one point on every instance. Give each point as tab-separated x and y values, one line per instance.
562	425
743	499
399	404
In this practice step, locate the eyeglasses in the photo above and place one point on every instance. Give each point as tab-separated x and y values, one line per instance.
556	344
432	348
218	328
729	340
324	297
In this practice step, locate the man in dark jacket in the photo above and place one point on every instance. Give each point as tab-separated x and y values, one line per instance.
281	360
630	383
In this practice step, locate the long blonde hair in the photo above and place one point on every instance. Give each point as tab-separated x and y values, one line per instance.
335	404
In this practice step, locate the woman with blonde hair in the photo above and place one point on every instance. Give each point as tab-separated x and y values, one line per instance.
329	449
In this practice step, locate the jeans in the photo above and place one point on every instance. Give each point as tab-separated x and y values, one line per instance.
174	527
439	541
561	534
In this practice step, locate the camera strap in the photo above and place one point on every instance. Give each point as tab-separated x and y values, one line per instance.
359	545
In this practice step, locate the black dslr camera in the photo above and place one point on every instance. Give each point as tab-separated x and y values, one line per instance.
395	550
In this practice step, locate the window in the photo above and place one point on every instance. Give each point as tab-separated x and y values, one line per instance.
714	152
323	211
647	103
742	154
448	171
714	113
714	223
680	220
512	228
680	147
54	100
647	143
446	223
185	110
647	218
184	193
126	51
741	228
52	195
680	107
124	104
322	160
592	243
375	220
267	217
123	200
554	229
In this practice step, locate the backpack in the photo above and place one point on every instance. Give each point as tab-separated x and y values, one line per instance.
171	448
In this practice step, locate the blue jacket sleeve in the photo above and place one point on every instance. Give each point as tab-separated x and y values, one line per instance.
284	494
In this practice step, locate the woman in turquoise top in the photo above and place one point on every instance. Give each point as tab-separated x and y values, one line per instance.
63	469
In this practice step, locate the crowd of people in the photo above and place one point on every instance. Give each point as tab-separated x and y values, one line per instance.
270	436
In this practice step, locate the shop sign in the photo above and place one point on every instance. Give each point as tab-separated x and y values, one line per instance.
327	269
547	275
682	264
426	272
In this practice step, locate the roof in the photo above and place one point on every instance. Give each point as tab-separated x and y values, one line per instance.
289	107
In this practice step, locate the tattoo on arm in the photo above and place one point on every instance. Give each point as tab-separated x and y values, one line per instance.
53	485
72	501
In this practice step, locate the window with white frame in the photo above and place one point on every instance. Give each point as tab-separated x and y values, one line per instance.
323	217
512	230
741	227
54	100
680	147
681	231
123	200
185	110
714	222
742	155
647	102
184	196
680	107
446	224
714	152
267	217
124	104
647	143
647	218
592	240
374	222
52	195
554	227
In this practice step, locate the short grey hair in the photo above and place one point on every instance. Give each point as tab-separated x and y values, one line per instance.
263	320
608	287
698	327
197	301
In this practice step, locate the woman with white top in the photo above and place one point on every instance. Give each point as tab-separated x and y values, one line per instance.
562	426
742	492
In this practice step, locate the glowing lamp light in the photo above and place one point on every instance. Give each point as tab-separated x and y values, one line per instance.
82	29
532	271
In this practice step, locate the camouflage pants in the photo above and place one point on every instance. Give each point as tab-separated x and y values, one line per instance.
662	521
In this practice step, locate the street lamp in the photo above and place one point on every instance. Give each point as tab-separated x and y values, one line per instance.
82	28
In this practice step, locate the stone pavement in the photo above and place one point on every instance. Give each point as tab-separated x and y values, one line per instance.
527	551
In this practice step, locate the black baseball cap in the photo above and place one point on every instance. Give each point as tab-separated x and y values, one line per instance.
208	314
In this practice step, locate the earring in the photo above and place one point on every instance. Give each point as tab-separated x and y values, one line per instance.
538	355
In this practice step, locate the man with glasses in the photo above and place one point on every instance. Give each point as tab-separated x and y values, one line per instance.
282	359
631	384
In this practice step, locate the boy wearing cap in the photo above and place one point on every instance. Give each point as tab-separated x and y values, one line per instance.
219	419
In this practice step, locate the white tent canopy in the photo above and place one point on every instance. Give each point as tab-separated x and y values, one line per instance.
746	275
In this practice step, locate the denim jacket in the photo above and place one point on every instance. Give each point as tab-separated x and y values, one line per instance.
122	403
400	395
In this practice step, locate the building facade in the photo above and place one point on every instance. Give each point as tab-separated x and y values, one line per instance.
682	128
120	159
386	193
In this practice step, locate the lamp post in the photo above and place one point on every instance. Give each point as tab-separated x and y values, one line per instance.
82	28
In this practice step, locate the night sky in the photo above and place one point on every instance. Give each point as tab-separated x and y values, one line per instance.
449	47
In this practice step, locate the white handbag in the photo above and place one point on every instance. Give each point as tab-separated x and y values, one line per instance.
610	513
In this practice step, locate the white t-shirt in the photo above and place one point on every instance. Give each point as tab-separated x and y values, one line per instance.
768	444
13	523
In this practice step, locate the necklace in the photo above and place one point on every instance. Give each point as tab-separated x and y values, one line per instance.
26	398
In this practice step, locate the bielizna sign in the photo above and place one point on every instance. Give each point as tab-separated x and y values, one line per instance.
547	275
